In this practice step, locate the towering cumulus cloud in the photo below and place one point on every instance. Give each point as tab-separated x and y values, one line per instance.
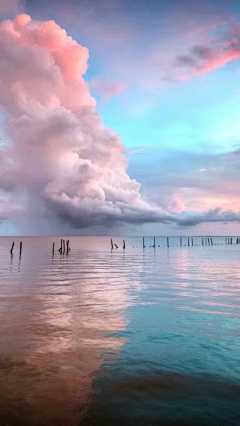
59	149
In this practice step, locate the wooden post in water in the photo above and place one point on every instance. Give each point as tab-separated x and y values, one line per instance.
124	245
188	242
192	241
63	246
202	242
60	250
167	242
180	241
20	251
111	244
68	249
53	249
11	251
154	242
143	243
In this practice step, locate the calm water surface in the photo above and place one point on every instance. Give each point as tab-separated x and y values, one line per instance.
111	338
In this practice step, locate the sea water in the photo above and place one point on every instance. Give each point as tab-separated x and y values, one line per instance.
119	337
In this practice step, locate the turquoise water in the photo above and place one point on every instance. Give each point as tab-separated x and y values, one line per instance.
101	337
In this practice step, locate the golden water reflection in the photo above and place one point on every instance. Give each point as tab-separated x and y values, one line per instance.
56	334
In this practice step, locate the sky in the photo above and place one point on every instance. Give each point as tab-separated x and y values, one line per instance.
119	117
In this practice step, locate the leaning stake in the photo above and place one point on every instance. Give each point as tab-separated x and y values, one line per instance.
11	251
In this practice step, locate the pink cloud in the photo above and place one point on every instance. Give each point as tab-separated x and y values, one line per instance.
176	203
212	64
210	169
107	89
60	152
213	52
